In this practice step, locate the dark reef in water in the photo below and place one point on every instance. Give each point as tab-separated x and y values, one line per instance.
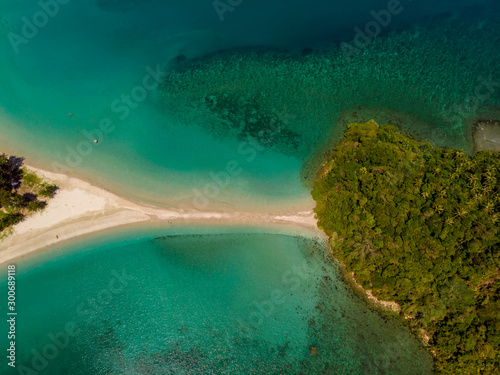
298	103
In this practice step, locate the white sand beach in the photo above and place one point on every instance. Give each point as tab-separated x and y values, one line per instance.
80	208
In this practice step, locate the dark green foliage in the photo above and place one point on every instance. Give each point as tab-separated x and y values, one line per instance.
5	173
47	190
19	191
35	206
420	226
31	179
7	220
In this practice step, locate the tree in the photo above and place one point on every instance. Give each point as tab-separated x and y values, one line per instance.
420	225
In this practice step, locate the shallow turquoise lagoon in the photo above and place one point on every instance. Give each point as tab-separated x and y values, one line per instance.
101	59
200	301
220	301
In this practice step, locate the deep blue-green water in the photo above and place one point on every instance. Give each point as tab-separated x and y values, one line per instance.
167	146
213	301
196	109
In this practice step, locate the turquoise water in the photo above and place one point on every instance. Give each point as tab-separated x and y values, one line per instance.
210	301
432	81
166	151
194	111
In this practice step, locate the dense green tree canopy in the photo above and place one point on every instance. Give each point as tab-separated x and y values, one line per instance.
19	191
419	225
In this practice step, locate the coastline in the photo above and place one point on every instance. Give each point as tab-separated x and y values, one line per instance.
388	306
80	208
486	136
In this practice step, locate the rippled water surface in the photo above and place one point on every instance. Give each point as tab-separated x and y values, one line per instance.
284	79
209	302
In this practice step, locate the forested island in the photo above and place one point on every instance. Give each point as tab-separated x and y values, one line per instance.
21	192
419	225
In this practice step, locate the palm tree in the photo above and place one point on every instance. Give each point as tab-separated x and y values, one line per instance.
438	208
490	177
462	212
364	246
488	208
486	190
472	179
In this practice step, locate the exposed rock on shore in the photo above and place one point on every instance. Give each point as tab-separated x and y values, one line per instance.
486	136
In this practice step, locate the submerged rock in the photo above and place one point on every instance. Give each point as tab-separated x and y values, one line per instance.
313	350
